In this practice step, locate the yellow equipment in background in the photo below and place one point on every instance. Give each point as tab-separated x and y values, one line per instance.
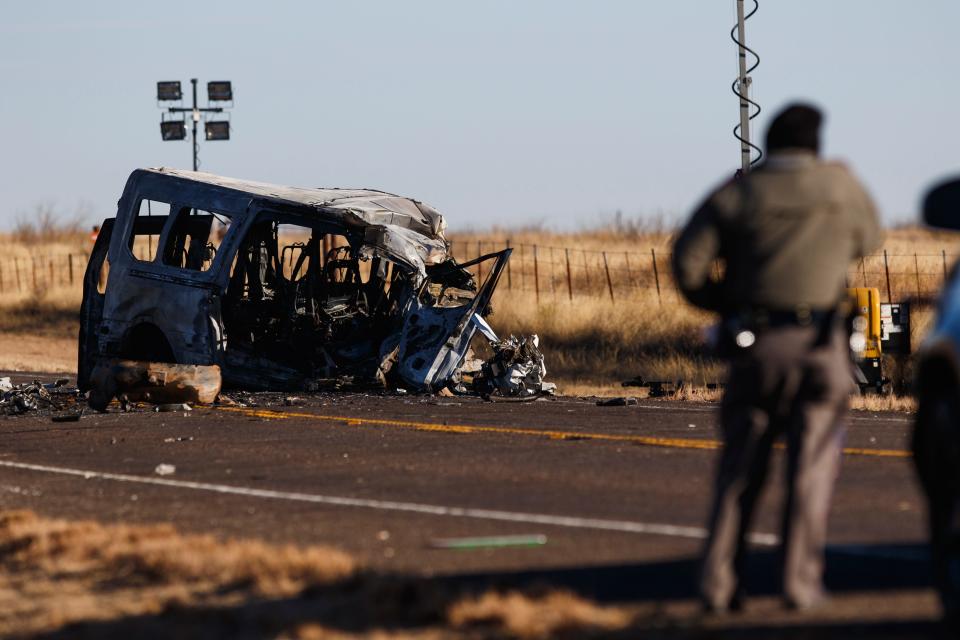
877	328
866	305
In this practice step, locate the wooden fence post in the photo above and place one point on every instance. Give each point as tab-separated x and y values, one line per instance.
626	261
916	267
536	275
523	267
509	276
863	270
70	266
606	268
33	264
569	277
50	265
656	274
16	266
479	264
586	269
553	274
886	268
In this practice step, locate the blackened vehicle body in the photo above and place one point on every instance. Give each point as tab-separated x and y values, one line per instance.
279	286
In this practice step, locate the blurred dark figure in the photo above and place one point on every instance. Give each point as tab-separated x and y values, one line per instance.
936	436
786	234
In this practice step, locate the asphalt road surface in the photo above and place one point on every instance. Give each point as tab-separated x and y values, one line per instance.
621	494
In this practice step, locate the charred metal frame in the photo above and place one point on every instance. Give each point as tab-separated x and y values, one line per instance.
152	310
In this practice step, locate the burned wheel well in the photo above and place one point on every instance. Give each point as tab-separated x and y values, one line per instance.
146	341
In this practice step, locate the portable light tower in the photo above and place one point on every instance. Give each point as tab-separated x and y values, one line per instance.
175	128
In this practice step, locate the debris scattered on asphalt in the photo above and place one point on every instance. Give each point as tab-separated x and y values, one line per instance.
16	399
490	542
516	369
179	406
665	388
165	469
179	439
617	402
68	417
291	401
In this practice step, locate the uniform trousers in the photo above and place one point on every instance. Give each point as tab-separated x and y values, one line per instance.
793	382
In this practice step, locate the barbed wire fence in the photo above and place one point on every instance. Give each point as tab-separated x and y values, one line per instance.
560	273
551	272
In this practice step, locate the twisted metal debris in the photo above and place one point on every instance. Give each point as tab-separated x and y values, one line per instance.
28	396
516	369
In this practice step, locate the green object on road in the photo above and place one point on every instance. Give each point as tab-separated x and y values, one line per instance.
490	542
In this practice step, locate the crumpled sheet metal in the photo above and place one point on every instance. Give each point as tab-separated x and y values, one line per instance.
28	396
517	368
402	228
398	244
155	382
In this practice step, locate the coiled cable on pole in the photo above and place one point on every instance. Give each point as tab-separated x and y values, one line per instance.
741	86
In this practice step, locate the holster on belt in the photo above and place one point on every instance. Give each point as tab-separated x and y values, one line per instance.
738	331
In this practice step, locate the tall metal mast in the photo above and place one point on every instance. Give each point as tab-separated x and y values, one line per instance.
741	88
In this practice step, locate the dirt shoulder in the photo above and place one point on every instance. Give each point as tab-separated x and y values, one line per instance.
32	352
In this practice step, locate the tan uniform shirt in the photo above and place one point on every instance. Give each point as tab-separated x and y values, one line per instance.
785	232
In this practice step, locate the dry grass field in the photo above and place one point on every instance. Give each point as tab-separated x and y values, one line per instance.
604	314
86	579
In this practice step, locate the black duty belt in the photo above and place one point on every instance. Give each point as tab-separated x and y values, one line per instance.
771	318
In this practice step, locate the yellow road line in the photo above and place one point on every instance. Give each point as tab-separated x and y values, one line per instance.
553	434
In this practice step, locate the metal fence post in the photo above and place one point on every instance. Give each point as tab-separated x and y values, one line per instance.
509	276
656	274
863	269
569	277
606	268
70	266
886	268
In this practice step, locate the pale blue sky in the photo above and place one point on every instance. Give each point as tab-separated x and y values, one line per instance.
498	112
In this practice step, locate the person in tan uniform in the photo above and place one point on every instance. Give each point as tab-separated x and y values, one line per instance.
786	234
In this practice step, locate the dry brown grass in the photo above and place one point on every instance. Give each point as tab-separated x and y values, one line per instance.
85	579
547	616
39	330
55	572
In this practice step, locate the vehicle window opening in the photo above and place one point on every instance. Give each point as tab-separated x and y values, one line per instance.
144	239
194	238
304	295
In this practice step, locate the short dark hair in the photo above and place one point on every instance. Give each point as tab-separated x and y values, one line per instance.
796	127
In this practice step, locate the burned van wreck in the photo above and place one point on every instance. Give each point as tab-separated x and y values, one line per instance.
286	288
